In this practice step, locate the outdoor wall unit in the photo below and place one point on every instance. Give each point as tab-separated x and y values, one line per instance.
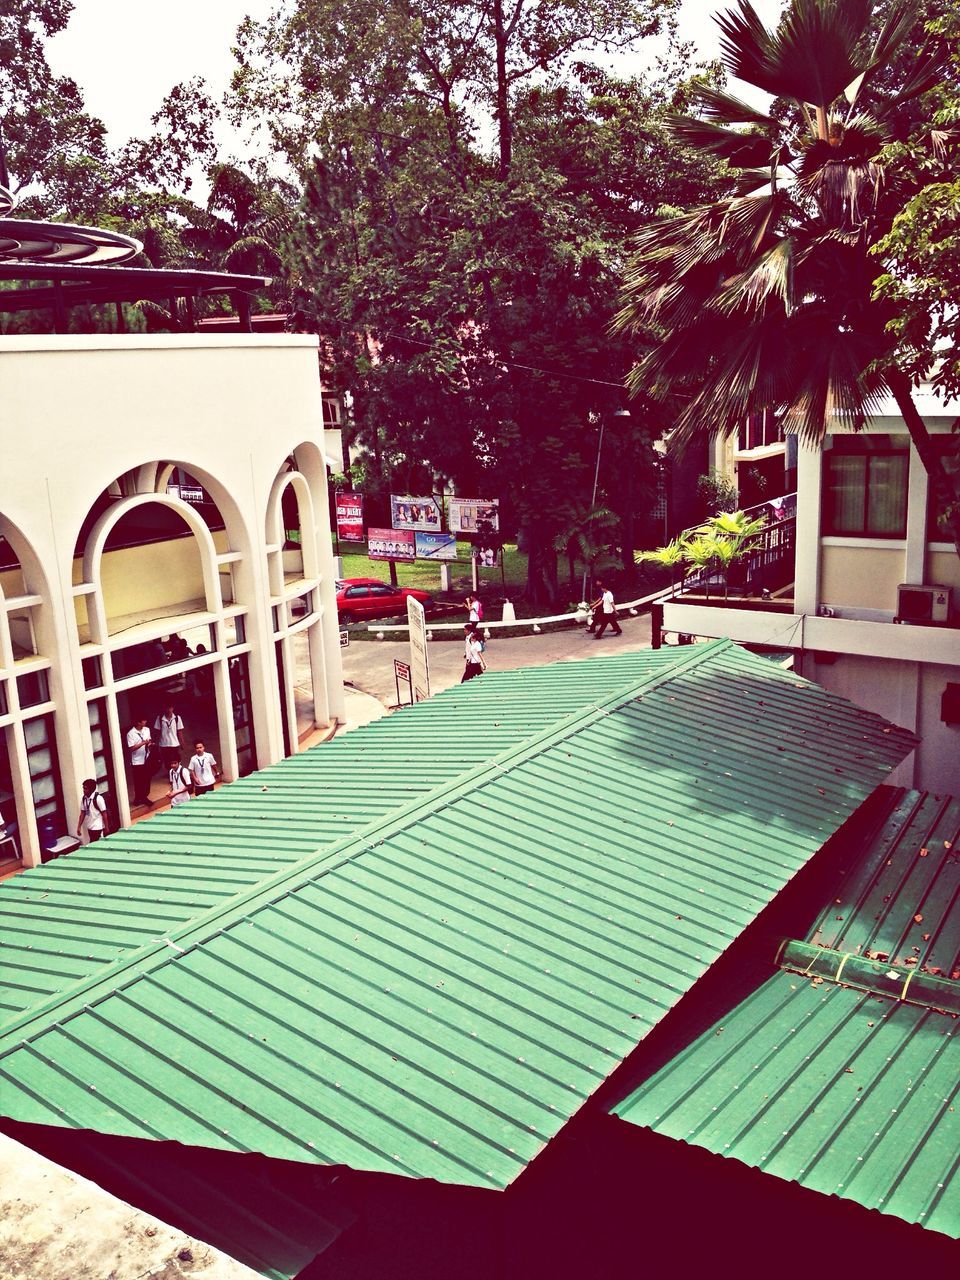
923	603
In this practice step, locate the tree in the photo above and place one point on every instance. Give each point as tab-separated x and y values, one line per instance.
766	298
464	294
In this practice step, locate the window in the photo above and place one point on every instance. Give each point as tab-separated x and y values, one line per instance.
865	487
43	768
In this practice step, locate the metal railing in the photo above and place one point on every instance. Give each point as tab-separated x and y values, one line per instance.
768	565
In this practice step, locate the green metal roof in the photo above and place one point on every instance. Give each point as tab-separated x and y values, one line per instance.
61	922
848	1091
436	995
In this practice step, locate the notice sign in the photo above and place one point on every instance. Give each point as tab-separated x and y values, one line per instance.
419	664
436	546
473	515
391	544
350	517
416	513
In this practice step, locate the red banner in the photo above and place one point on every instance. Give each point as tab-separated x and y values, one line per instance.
350	517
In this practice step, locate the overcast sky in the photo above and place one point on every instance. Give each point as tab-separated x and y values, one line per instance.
126	54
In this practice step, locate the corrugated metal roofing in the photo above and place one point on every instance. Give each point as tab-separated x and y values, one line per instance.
61	922
844	1091
438	995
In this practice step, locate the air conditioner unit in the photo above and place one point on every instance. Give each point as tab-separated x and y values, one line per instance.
922	603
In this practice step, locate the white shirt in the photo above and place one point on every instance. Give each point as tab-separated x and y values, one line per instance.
472	650
608	605
202	768
178	785
138	740
93	808
169	729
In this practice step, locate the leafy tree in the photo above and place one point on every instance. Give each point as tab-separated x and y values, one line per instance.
766	298
464	293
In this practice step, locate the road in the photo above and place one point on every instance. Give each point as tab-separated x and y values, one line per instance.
368	664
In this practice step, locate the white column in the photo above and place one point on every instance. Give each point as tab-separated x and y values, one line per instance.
807	572
914	557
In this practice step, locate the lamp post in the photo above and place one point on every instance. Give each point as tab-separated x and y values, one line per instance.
618	413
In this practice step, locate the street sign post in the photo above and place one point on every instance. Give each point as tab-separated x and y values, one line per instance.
419	663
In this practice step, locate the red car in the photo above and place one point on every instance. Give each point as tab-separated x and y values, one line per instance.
362	598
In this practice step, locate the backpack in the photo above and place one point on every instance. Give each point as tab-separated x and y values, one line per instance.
479	611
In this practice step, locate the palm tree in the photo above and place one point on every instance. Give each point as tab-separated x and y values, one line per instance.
765	299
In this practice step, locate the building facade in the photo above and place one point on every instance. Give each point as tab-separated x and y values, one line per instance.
165	542
873	608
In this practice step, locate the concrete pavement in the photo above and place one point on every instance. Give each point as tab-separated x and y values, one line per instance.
368	664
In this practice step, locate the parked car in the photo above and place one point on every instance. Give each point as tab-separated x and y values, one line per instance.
361	598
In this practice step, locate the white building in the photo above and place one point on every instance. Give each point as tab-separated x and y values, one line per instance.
158	494
873	611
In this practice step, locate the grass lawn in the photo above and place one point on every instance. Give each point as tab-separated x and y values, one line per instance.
426	575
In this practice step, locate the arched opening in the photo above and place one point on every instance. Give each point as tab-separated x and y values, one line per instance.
161	611
32	802
294	560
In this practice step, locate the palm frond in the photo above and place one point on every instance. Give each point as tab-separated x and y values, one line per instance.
742	150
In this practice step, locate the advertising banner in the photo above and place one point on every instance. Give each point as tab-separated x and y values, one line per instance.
486	557
419	664
391	544
350	517
416	513
473	515
436	546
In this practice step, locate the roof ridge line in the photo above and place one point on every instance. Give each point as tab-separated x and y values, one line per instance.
898	983
223	915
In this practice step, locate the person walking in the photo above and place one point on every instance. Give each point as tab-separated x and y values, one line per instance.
140	746
180	779
608	612
473	653
169	730
93	813
596	612
203	769
474	610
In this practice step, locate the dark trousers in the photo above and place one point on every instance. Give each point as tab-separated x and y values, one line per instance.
609	620
142	777
473	669
202	791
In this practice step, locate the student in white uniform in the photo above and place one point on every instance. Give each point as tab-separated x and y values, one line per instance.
93	813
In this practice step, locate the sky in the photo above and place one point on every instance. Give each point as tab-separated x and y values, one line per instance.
126	54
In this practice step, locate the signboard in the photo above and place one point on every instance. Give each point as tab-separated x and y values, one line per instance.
416	513
436	546
344	639
391	544
473	515
350	517
486	557
401	671
419	664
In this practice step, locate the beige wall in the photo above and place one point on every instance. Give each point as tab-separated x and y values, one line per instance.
943	567
861	577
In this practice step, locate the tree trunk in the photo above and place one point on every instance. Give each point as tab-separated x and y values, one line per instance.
504	129
943	488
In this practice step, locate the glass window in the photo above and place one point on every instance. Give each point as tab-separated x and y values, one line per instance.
102	760
865	488
33	689
92	673
44	774
242	714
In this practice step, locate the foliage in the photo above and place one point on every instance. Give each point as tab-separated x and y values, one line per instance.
920	254
714	546
765	299
464	293
717	492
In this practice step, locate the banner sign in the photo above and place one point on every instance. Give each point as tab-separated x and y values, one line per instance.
350	517
436	546
419	664
391	544
473	515
486	557
416	513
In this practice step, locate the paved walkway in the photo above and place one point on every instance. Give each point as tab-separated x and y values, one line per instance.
368	664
